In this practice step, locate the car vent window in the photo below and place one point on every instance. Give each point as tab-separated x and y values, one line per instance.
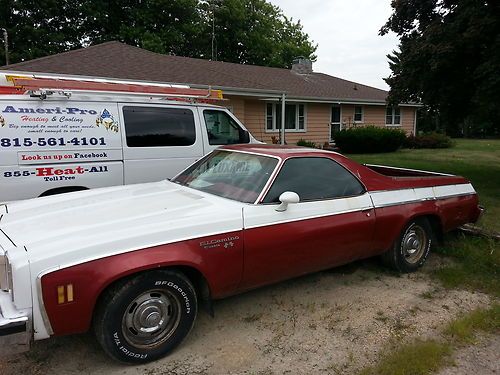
314	178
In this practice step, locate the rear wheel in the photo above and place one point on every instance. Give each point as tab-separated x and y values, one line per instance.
143	318
412	247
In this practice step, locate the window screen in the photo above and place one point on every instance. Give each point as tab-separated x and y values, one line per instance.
157	127
314	179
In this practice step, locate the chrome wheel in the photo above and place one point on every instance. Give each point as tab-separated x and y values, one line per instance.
414	244
151	319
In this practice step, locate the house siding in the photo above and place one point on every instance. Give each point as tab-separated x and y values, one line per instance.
252	113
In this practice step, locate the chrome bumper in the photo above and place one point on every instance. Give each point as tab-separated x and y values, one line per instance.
15	328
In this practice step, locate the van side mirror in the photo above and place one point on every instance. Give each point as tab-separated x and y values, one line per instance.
287	198
244	136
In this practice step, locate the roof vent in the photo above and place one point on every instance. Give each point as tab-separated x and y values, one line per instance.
302	65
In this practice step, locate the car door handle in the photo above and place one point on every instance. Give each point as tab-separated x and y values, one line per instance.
367	211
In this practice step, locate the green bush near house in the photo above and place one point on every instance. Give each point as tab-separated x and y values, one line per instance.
369	139
429	140
305	143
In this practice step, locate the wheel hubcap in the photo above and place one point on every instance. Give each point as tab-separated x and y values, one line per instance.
150	319
414	244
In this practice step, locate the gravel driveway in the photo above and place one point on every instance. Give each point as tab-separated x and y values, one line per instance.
332	322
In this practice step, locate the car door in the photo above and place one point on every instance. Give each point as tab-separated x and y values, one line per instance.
332	224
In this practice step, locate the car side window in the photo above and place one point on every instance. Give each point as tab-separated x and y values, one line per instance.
222	129
158	126
314	178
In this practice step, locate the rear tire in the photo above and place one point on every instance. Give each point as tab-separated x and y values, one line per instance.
143	318
412	247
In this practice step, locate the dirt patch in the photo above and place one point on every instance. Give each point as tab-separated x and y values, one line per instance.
481	358
333	322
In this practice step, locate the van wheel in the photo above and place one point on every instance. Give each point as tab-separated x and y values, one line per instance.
412	247
144	318
62	190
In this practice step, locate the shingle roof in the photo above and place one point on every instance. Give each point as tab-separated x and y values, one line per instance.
118	60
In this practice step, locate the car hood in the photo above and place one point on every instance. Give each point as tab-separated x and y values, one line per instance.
91	224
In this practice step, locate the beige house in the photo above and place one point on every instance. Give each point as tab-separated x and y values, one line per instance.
316	104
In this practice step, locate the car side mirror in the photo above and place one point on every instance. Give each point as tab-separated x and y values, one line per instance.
286	198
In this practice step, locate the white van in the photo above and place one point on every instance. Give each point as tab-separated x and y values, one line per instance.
60	141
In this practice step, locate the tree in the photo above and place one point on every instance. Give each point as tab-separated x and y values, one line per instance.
39	27
449	60
246	31
256	32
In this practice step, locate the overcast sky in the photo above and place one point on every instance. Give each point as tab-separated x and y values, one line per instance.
346	32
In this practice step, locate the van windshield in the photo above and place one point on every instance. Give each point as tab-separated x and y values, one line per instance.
234	175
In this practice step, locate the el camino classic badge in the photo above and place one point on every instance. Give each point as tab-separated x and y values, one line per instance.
227	242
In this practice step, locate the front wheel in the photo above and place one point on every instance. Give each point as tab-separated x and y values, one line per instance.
412	247
143	318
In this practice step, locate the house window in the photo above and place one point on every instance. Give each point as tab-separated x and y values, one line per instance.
295	117
393	116
358	113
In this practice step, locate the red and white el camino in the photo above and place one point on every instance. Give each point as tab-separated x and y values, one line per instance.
135	262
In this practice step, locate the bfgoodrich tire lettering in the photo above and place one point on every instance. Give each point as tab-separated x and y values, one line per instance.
143	318
412	247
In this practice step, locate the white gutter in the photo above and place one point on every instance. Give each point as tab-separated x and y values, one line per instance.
272	95
283	98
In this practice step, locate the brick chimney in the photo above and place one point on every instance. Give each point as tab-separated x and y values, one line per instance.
302	65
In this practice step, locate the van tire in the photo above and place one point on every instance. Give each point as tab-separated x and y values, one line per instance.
62	190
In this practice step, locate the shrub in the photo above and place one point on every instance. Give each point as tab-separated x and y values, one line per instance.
305	143
429	140
369	139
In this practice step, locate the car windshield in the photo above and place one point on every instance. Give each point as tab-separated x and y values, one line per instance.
234	175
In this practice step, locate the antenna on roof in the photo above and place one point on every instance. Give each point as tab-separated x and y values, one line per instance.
212	5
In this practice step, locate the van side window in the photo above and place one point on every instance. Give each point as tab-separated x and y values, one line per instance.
222	129
314	178
157	127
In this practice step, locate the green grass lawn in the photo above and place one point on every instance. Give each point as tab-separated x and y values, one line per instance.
477	260
476	160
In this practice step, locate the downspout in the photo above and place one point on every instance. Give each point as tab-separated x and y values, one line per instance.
283	118
415	123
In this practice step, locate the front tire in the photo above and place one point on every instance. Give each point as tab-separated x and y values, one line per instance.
143	318
412	247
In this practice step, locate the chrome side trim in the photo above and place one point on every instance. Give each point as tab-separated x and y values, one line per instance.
422	200
41	304
410	170
360	209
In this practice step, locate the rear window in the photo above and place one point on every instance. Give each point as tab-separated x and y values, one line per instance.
159	127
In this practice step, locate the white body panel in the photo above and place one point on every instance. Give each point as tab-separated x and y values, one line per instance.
82	141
